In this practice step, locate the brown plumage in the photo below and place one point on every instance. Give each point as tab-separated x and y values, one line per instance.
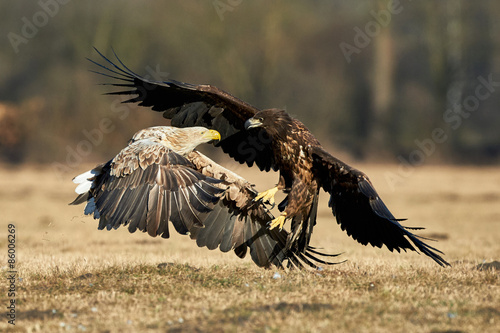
159	179
272	139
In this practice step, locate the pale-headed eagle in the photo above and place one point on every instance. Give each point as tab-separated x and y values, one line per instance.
272	139
160	177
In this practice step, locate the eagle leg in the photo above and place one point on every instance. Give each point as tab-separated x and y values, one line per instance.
278	222
267	196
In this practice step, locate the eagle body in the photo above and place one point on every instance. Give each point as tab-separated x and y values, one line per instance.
272	140
292	141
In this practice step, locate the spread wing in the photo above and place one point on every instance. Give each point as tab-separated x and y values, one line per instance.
361	212
145	186
194	105
239	223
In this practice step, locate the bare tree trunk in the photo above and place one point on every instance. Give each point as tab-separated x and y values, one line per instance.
382	86
445	35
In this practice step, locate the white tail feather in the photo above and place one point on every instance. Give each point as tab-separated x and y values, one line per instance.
83	187
84	176
85	181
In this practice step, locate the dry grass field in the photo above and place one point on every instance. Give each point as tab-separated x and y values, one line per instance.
73	278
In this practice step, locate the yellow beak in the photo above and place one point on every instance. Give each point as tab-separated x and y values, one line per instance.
212	135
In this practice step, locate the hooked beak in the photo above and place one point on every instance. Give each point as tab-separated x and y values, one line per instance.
252	122
212	135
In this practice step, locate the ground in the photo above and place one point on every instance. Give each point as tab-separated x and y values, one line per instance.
72	277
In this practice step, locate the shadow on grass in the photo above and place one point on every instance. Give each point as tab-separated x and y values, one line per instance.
37	315
494	265
246	316
296	307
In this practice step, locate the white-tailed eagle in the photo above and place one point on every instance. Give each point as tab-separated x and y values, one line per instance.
159	178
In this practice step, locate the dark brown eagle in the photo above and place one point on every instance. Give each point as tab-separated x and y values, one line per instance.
159	177
273	140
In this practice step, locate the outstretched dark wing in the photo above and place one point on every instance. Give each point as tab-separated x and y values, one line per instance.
360	211
145	186
239	223
195	105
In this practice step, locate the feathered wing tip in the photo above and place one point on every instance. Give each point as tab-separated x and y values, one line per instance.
379	207
81	198
361	212
124	74
311	259
114	71
382	211
426	249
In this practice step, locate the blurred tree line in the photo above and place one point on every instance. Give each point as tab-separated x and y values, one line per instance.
393	81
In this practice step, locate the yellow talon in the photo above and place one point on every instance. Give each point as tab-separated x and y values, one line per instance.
278	222
267	196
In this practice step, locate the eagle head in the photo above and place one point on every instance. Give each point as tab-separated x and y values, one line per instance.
180	140
272	120
186	139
